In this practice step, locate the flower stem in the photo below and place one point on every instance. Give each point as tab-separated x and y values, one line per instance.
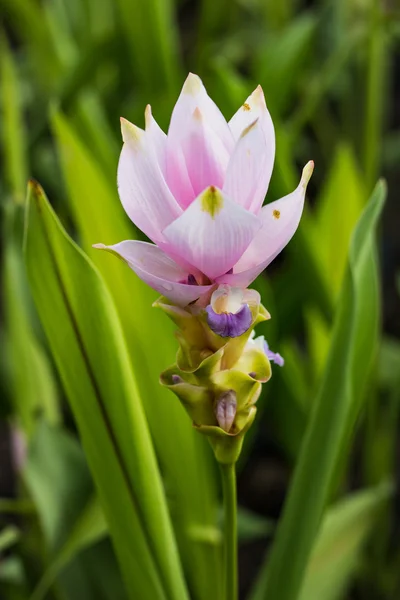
230	532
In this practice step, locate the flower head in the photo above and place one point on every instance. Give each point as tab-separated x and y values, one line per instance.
197	193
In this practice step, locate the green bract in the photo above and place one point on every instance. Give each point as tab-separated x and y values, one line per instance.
218	380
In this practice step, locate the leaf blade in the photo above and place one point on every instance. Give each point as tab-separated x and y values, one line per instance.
76	319
332	420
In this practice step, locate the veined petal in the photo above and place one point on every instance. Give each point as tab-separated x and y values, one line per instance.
143	191
158	138
159	271
194	95
212	233
205	155
177	176
280	220
256	108
246	167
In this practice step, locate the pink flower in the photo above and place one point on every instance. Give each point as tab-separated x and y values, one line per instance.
197	193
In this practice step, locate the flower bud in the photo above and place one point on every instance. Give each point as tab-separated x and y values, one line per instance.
225	410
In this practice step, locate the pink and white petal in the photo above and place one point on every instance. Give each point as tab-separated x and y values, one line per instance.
142	188
159	271
177	176
280	220
194	95
180	260
205	155
157	137
212	233
246	167
254	108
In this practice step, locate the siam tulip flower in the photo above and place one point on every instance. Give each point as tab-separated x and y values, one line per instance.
197	193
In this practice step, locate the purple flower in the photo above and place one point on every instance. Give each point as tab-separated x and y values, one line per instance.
229	314
262	343
273	356
229	324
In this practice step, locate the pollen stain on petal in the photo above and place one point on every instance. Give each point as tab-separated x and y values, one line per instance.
246	106
249	128
276	214
212	201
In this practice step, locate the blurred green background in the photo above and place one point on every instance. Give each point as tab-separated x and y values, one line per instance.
330	71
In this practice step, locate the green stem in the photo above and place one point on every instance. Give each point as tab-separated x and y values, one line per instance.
230	532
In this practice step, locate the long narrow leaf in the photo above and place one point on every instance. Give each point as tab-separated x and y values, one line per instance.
13	142
335	411
337	551
85	336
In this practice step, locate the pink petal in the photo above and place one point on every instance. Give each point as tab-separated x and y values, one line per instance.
280	220
246	167
256	108
144	193
159	271
158	138
212	233
177	176
194	95
205	155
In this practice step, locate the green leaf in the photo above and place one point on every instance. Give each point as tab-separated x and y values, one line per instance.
26	17
190	482
13	129
338	209
32	382
280	60
318	337
89	528
150	32
335	411
88	346
338	547
8	537
58	480
72	521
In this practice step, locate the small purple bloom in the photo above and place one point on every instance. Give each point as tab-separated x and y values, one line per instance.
273	356
229	324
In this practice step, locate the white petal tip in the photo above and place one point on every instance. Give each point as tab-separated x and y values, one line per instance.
147	113
258	96
307	172
99	246
192	85
130	132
